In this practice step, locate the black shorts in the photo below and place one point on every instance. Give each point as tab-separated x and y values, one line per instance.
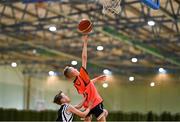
97	111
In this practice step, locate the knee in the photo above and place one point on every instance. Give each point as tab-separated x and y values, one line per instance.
106	112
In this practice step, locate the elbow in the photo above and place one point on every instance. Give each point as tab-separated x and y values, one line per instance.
84	57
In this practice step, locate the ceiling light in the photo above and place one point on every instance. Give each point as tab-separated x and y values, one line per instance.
52	73
100	48
34	51
52	28
151	23
14	64
107	72
152	84
162	70
131	78
134	60
105	85
74	63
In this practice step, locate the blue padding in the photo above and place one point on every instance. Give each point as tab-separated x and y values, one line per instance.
35	1
153	4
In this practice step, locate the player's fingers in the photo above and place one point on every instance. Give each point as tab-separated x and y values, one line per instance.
103	76
85	37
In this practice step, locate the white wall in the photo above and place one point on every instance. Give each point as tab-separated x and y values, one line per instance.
11	88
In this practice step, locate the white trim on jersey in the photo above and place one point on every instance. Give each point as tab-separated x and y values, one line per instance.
66	117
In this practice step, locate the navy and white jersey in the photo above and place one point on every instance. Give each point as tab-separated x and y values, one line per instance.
63	115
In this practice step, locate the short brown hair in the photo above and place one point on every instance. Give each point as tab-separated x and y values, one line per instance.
66	72
57	98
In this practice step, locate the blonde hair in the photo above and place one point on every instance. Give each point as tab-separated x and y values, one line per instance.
67	72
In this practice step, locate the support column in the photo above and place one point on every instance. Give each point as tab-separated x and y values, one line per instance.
27	92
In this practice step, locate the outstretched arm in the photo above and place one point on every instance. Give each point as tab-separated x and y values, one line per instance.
83	114
99	78
84	51
79	113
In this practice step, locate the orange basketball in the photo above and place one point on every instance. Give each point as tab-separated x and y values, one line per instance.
85	26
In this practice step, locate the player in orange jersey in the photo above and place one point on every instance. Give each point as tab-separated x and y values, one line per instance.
86	87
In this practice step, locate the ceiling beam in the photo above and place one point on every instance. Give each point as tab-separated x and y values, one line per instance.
150	50
127	40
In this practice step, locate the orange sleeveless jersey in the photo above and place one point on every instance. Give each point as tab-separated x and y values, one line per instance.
84	86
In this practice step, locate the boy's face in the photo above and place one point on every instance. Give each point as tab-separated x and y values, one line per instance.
65	99
73	72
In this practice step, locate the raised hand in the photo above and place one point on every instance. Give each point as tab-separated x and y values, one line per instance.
102	78
85	38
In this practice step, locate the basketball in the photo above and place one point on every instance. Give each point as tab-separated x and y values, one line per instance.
85	26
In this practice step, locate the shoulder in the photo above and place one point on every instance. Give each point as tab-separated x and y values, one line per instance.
66	104
69	107
82	69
